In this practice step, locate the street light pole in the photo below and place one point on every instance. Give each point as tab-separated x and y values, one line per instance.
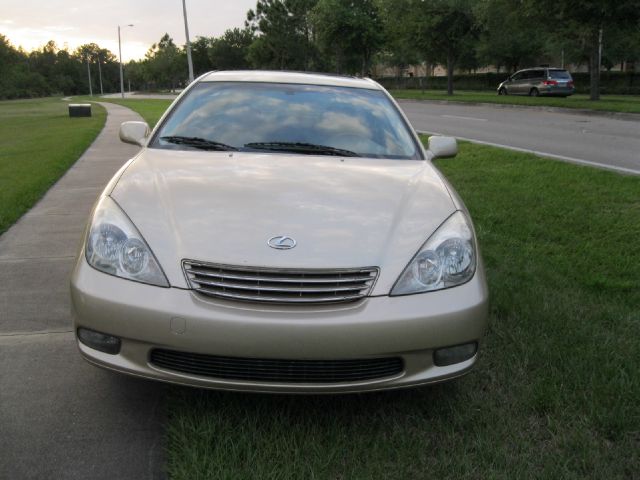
121	74
120	52
186	32
100	75
89	75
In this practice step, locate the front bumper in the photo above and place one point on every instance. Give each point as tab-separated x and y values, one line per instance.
146	317
560	91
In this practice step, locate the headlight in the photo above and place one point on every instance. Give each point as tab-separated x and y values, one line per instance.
115	246
447	259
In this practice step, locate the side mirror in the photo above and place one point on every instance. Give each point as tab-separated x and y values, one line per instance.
443	147
134	132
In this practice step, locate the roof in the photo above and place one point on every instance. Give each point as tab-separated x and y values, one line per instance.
289	77
545	68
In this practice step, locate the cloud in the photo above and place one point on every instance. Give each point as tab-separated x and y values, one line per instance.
31	23
60	28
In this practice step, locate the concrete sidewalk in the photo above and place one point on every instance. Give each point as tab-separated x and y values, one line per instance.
59	416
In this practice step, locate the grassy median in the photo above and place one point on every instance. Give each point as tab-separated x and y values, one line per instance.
608	103
149	109
555	394
39	142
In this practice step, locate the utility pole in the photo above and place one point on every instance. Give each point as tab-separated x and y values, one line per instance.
89	75
186	32
120	53
100	75
599	50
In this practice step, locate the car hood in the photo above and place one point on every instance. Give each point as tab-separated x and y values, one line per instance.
223	207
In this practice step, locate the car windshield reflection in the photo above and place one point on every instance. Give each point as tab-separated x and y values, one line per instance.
359	121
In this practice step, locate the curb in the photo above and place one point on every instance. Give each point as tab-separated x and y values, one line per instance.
537	153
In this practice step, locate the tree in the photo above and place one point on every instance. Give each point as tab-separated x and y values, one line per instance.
230	51
509	38
200	55
284	37
621	46
445	31
166	63
16	78
103	62
49	70
587	20
351	30
399	49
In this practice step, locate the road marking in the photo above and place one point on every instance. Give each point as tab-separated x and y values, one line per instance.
31	334
542	154
465	118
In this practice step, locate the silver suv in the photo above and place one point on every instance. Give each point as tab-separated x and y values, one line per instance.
538	81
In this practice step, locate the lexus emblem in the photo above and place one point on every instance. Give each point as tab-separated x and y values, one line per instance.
281	242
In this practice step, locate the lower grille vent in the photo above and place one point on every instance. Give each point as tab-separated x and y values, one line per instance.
270	370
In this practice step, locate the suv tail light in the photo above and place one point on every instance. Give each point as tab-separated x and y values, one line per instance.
570	83
550	82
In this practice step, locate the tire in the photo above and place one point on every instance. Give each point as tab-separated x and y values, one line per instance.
503	91
534	92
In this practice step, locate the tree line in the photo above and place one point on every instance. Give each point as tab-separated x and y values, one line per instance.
352	37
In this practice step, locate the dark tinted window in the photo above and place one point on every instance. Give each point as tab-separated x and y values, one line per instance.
518	76
537	74
239	113
559	74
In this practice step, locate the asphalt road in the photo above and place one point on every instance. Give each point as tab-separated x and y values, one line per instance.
607	142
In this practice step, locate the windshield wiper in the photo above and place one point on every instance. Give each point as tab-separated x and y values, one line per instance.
299	147
198	142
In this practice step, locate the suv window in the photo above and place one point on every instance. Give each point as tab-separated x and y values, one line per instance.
559	75
518	76
537	74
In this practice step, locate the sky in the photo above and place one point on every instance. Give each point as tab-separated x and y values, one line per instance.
70	23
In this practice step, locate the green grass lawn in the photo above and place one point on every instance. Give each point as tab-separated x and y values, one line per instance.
557	388
149	109
610	103
38	143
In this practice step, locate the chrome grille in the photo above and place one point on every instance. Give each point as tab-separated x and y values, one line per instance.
294	286
276	370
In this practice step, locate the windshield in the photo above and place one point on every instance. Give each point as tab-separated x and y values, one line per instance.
290	118
559	74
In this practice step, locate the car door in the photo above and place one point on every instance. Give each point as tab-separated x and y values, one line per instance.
515	85
535	81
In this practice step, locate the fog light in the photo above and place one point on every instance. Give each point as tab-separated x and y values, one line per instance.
99	341
450	355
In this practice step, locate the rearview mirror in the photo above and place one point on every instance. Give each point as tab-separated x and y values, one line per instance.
134	132
443	147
